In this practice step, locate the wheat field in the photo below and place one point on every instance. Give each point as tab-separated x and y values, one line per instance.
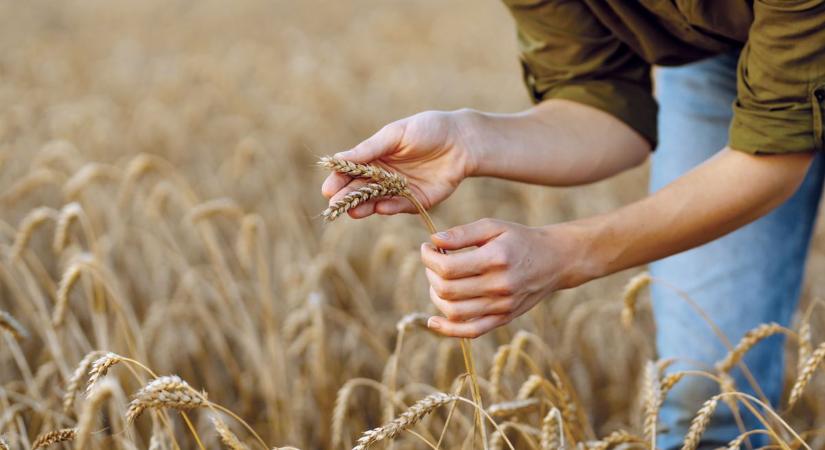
167	280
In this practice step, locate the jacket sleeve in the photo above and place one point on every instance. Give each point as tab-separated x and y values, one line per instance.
566	53
781	79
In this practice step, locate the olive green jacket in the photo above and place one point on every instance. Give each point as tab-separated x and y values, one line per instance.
599	52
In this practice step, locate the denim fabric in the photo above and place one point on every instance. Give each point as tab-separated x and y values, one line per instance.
746	278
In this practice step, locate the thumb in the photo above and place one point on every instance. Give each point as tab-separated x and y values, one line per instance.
382	143
472	234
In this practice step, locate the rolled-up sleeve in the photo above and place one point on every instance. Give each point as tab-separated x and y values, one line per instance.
567	53
781	79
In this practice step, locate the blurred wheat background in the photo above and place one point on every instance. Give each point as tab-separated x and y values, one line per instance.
159	200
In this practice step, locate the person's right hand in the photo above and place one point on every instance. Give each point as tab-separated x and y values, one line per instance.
431	149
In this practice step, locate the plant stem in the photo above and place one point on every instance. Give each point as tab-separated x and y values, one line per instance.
466	348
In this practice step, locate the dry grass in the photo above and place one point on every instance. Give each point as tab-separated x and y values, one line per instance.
160	208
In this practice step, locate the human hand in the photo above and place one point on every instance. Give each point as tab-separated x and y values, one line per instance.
430	149
511	269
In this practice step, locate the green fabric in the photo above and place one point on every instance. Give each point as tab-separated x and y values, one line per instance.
599	52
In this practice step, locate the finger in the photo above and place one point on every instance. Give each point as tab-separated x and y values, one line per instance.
488	285
473	308
362	210
395	205
334	183
382	143
452	266
470	329
472	234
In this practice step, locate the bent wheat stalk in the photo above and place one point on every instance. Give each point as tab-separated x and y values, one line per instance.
391	182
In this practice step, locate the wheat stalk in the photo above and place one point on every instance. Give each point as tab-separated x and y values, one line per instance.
747	342
229	439
396	182
54	437
700	423
168	391
631	296
805	375
87	416
74	382
406	420
9	324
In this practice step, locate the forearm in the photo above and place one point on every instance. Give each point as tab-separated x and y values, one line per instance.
555	143
723	194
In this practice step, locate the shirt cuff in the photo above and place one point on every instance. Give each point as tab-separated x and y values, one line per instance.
793	130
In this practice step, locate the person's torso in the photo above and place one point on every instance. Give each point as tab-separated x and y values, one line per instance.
673	32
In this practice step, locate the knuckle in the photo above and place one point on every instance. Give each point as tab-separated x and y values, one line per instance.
504	288
474	333
452	313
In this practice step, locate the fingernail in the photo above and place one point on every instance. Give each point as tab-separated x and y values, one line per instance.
443	235
343	155
433	324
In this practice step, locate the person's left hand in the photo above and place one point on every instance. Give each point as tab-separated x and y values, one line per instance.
511	269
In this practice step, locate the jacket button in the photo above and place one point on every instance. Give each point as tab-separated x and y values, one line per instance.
820	94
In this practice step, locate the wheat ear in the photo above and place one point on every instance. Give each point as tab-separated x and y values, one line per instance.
497	369
53	437
805	375
164	392
363	194
100	367
4	445
552	431
652	402
700	423
513	407
367	171
406	420
530	386
747	342
805	345
74	382
9	324
630	297
64	288
616	438
28	225
229	439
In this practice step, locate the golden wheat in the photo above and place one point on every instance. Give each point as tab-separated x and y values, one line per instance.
54	437
168	391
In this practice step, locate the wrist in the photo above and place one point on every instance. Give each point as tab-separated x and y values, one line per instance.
470	131
579	257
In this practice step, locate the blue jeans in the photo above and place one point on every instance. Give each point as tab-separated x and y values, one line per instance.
746	278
